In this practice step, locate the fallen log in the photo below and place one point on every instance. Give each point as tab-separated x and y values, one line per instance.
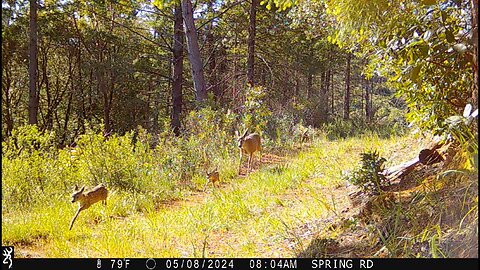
427	156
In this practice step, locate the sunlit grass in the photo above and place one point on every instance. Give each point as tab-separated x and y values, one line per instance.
253	216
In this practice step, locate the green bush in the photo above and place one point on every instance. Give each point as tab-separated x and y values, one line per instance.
369	176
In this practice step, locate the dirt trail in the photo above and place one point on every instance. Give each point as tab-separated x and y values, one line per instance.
197	196
293	240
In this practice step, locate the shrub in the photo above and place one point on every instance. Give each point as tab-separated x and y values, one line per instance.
369	177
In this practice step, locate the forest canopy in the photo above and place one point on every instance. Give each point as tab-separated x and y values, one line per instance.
124	64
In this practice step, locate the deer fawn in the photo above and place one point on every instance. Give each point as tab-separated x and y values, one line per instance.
212	177
305	136
249	144
86	199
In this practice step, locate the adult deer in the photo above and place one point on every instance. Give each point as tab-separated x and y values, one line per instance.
248	144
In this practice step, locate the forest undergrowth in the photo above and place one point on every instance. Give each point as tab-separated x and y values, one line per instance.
278	210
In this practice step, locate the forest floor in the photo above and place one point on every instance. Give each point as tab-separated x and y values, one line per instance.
288	206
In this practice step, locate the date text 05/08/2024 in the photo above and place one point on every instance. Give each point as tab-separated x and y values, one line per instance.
252	264
229	264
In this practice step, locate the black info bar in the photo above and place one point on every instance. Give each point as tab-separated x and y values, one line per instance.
244	263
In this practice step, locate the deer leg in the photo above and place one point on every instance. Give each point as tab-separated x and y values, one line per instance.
250	162
205	187
75	217
240	165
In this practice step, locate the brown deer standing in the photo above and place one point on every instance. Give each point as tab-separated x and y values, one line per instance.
249	144
98	193
212	177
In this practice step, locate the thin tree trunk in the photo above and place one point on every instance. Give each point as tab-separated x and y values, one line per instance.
177	71
194	52
474	7
67	118
367	101
8	103
327	91
251	44
83	112
333	97
296	88
309	84
48	120
102	86
32	66
323	97
6	88
346	104
212	59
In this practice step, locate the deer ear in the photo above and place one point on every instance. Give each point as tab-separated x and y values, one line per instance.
245	133
237	134
76	187
83	188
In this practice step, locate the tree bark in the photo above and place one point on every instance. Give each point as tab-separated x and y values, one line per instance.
323	97
309	84
296	88
367	101
212	59
194	52
177	71
8	104
327	89
474	7
251	44
32	66
102	85
346	104
333	96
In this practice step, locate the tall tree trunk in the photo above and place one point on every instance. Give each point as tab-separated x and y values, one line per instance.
32	66
223	73
367	100
8	103
67	118
309	84
212	59
177	70
296	88
327	91
333	97
48	119
474	7
194	52
100	74
346	104
323	97
251	44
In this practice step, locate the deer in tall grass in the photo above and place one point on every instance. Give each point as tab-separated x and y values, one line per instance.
86	199
248	144
212	177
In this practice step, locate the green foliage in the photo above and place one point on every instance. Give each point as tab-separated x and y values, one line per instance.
422	48
386	127
256	112
28	141
35	172
369	177
461	128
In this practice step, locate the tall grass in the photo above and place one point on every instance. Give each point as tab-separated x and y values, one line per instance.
248	216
